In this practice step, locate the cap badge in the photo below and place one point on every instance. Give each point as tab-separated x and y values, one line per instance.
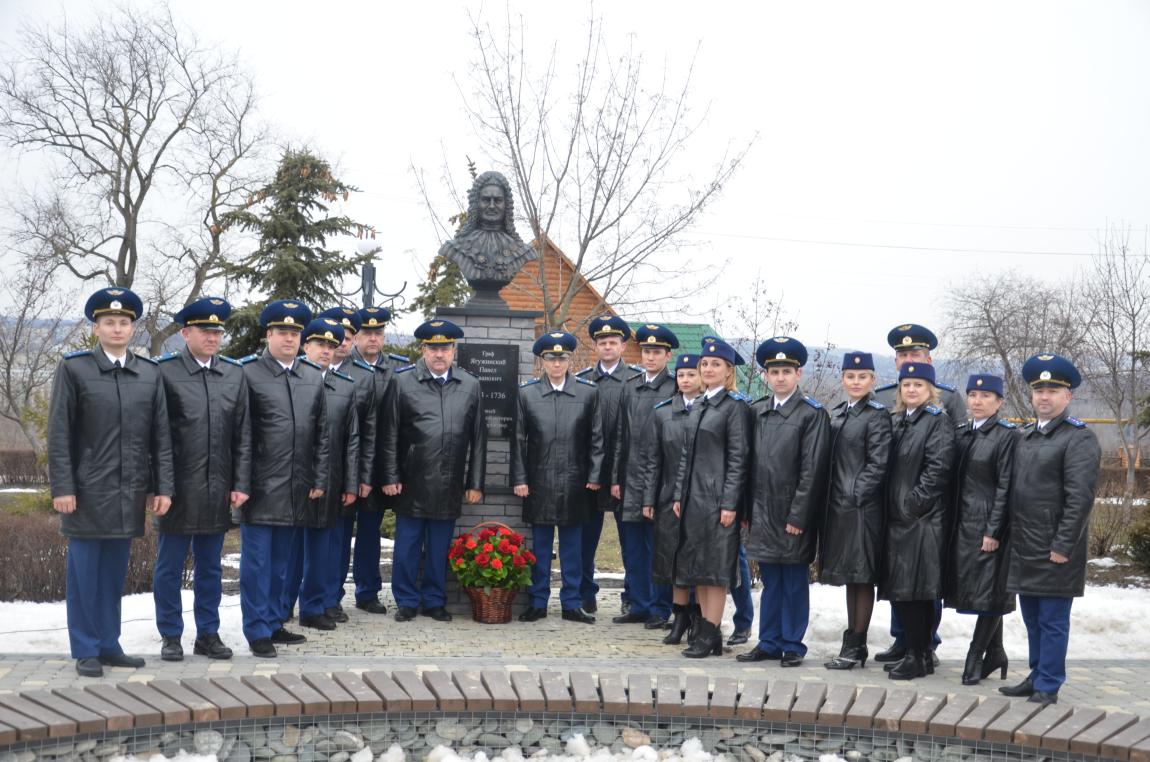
115	305
372	321
1046	358
652	327
115	291
436	323
910	369
906	340
289	320
290	305
216	302
904	327
1044	375
213	318
651	340
858	361
978	382
557	335
780	355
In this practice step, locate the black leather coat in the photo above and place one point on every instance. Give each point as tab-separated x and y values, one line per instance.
633	436
850	550
556	449
610	386
291	444
790	454
1051	497
437	447
343	434
109	443
950	399
712	477
976	581
667	437
383	383
917	505
367	406
208	410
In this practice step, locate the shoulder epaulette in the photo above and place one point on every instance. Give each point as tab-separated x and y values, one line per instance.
231	360
529	382
664	403
586	370
884	387
77	353
813	402
1076	423
941	385
585	381
405	368
876	404
633	376
1007	424
638	368
344	376
399	358
248	359
168	356
933	410
306	361
361	364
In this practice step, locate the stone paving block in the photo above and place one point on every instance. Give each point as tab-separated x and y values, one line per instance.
255	703
897	703
449	697
972	726
696	698
26	728
309	698
613	693
283	703
367	701
143	715
751	699
808	702
394	698
1031	732
1089	741
1118	745
86	720
1058	737
474	694
173	712
866	705
958	706
725	697
340	701
8	734
422	699
503	696
1140	752
202	710
115	718
555	691
57	724
585	691
838	702
526	685
668	696
1017	715
640	697
230	707
925	707
779	701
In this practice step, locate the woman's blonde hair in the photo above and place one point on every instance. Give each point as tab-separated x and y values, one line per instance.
900	406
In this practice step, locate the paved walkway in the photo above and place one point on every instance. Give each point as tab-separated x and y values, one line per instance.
370	642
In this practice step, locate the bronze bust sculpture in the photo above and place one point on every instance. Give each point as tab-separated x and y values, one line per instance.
487	249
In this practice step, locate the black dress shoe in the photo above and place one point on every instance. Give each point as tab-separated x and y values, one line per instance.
578	615
655	622
263	648
738	637
374	606
895	653
629	618
624	606
1022	690
791	659
171	650
533	614
405	614
590	605
320	622
1045	698
335	614
438	613
121	660
89	667
287	637
758	654
211	646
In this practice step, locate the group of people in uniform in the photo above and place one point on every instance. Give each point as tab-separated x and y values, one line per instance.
930	496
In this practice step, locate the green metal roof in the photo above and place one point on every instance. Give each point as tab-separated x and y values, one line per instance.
690	336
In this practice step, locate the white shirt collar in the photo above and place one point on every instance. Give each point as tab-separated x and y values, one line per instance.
978	423
335	366
780	401
714	392
122	359
608	371
910	411
649	379
558	388
445	376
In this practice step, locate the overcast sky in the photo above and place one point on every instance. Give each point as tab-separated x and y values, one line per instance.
901	147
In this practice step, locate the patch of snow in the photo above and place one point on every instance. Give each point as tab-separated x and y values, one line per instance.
1105	563
609	575
21	491
1118	501
230	561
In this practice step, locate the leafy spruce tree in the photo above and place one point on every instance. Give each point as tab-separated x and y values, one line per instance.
292	261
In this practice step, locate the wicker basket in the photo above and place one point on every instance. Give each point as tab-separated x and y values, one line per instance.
494	608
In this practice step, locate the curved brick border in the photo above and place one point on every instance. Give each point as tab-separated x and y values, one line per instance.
32	717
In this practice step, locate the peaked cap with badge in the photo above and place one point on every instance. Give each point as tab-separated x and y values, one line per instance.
285	313
114	301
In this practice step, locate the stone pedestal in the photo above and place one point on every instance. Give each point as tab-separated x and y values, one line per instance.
509	335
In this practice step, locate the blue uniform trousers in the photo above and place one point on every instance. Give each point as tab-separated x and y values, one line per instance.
744	603
95	586
264	556
637	543
364	560
345	529
318	570
896	630
570	564
592	529
1048	630
333	592
293	575
207	576
416	540
784	607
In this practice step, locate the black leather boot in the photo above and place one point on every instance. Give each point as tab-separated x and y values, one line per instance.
995	654
679	625
853	652
911	666
695	615
983	629
893	654
708	641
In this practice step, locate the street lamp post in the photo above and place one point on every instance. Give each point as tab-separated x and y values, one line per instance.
367	288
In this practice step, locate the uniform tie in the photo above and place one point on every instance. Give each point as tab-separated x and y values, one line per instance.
442	381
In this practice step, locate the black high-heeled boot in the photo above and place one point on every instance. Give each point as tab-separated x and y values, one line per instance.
972	670
995	654
679	625
854	652
708	642
694	618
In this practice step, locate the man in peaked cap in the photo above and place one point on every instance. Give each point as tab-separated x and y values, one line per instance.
290	444
1056	464
207	400
433	458
109	460
641	392
610	334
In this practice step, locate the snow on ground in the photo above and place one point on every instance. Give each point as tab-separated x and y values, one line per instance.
1109	621
1105	563
19	490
